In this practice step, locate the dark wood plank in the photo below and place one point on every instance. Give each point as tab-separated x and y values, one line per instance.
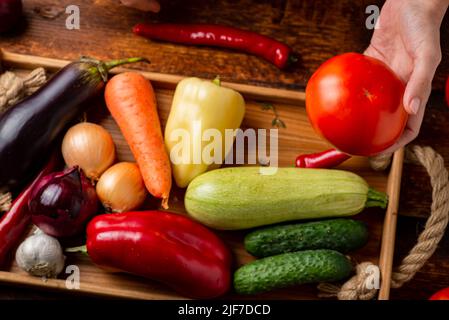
416	192
416	199
434	275
316	29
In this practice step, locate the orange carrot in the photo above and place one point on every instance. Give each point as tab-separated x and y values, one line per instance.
132	102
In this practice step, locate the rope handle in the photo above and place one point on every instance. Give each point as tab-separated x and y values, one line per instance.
356	288
12	89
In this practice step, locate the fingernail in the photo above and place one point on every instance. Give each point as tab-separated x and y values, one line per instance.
414	105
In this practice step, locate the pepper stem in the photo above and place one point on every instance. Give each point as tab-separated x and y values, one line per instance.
292	59
217	81
376	199
82	249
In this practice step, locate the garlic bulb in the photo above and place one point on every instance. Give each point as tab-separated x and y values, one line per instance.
40	255
90	147
121	188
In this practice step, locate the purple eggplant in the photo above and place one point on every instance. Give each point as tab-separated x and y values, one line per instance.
29	129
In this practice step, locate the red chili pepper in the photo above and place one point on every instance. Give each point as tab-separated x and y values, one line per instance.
271	50
162	246
441	295
14	223
326	159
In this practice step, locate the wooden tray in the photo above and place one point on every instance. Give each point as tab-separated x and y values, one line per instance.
297	138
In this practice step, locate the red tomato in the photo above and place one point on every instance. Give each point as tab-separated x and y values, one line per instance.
355	102
441	295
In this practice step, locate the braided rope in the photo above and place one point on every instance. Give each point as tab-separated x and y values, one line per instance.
12	89
356	288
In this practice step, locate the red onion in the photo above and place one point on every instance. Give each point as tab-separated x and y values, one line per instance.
62	203
10	14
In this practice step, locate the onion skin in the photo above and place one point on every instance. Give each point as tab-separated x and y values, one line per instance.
62	203
90	147
10	14
121	188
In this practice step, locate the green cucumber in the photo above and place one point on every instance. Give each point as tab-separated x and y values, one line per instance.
342	235
243	197
291	269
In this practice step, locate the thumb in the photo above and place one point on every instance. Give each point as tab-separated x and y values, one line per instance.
419	86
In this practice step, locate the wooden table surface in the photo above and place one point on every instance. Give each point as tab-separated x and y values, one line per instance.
316	29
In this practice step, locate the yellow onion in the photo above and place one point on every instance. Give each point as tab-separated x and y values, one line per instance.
90	147
121	188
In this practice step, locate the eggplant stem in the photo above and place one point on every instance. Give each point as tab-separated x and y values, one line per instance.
376	199
104	67
89	59
108	65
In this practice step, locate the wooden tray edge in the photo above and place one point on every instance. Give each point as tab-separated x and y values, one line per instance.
85	288
390	222
257	93
160	79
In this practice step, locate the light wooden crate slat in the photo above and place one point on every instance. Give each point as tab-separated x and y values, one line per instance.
297	138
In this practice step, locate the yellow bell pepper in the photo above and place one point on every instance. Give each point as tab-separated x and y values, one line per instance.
196	128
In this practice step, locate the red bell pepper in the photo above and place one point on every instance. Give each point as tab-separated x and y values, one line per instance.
162	246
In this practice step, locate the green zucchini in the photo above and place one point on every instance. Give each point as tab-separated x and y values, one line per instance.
243	197
342	235
291	269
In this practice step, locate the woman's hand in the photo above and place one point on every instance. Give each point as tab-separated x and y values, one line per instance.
144	5
408	40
